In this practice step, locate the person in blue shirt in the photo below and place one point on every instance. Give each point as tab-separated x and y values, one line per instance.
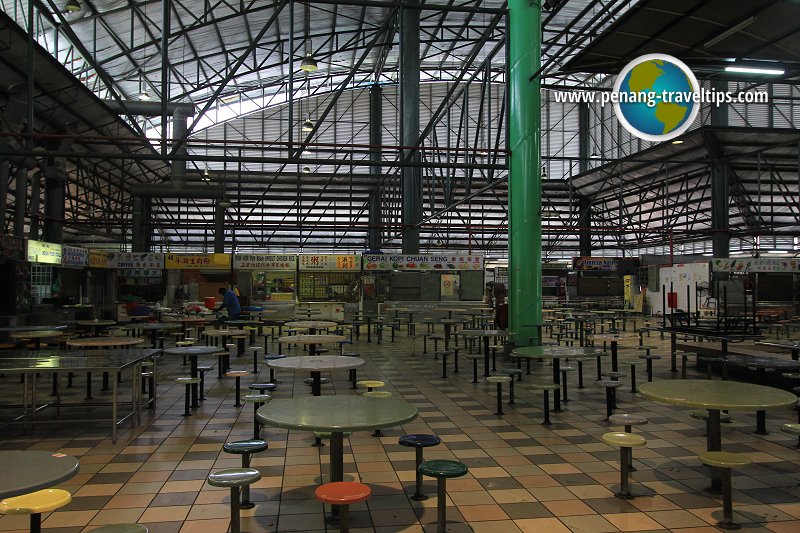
230	302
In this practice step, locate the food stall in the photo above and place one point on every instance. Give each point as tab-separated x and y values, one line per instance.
326	283
195	277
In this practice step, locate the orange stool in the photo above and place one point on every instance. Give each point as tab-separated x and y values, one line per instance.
343	493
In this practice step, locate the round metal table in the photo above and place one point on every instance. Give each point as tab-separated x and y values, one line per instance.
192	352
26	471
310	340
316	364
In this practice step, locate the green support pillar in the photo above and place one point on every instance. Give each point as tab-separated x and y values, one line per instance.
524	191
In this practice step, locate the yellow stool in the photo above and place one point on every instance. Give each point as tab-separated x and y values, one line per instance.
724	461
34	504
626	443
371	384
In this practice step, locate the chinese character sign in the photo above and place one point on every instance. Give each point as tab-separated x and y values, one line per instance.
44	252
198	261
72	256
135	260
423	262
267	262
327	262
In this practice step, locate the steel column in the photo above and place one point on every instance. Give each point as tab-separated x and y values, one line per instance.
524	190
5	174
20	200
36	193
137	225
411	178
219	229
584	223
375	139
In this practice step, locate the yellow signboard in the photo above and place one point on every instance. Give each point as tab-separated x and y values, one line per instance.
98	259
198	261
44	252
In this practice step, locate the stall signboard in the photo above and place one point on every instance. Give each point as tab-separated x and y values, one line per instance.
135	260
328	262
139	272
595	263
44	252
755	264
441	262
75	257
98	259
627	291
199	261
12	248
267	262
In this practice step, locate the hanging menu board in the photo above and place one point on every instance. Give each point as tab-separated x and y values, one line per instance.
12	248
135	260
423	262
201	261
98	259
753	264
139	272
328	262
44	252
74	257
264	262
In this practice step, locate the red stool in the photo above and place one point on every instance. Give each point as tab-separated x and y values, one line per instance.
343	494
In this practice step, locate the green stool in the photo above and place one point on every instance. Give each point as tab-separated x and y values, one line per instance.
499	380
245	448
792	429
257	400
442	469
188	382
650	357
626	443
475	357
235	479
546	388
724	462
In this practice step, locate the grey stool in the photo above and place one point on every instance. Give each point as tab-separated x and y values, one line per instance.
546	388
245	448
499	380
234	478
257	400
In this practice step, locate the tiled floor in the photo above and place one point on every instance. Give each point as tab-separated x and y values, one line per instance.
523	476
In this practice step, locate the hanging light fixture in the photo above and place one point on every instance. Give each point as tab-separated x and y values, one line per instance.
72	6
206	176
544	173
306	170
594	155
308	64
143	94
308	125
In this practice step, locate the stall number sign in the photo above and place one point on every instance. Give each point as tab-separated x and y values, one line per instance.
423	262
328	262
220	261
44	252
135	260
73	256
264	262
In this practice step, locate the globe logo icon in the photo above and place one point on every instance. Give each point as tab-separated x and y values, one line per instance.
657	97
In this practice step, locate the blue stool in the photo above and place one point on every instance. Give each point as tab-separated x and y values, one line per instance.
418	442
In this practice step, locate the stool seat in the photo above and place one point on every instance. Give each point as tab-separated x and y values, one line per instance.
568	368
184	343
342	492
443	468
791	375
240	447
323	380
187	380
377	394
419	440
351	354
703	415
436	337
499	379
791	429
510	371
544	386
41	501
626	440
205	368
473	355
234	477
262	386
724	459
273	356
609	383
122	528
632	362
652	356
236	373
370	383
256	398
647	347
626	419
615	374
